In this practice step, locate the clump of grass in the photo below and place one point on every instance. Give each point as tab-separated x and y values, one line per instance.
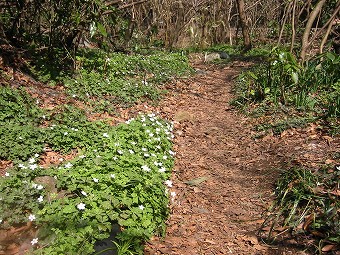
306	204
282	83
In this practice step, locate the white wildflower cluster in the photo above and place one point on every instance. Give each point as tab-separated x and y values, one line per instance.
37	186
31	163
34	241
81	206
169	184
154	130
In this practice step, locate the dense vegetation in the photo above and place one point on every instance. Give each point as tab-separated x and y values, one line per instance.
118	177
302	93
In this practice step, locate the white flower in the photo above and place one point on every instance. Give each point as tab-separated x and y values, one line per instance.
81	206
98	156
168	183
146	168
338	168
141	207
162	170
74	95
281	55
144	149
158	130
40	187
32	167
151	134
95	180
36	155
158	147
133	143
0	220
7	174
112	176
20	138
131	151
31	217
173	194
165	157
22	166
82	156
114	158
83	193
120	152
61	159
34	185
106	135
171	152
40	199
65	133
34	241
148	131
31	160
146	155
68	165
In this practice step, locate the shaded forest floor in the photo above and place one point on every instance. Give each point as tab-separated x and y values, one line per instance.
223	176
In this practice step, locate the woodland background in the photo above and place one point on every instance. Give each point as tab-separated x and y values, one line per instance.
62	26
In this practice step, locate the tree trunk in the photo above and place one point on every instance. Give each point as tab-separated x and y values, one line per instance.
305	38
245	29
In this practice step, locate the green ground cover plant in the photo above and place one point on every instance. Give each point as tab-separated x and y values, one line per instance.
120	176
119	179
106	80
19	124
23	134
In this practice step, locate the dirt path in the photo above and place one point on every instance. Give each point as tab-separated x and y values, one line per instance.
231	175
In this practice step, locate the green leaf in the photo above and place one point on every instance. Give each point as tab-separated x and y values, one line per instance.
252	75
295	77
69	209
102	29
330	56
